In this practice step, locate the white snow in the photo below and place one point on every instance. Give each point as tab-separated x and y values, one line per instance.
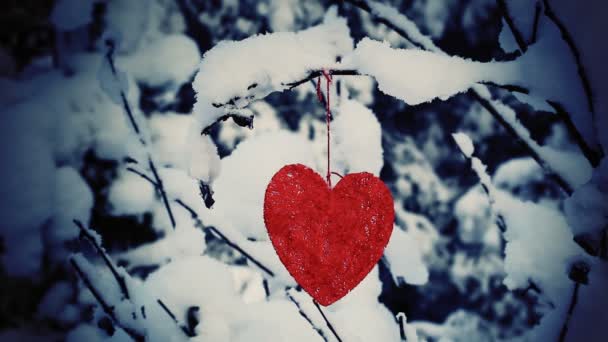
464	143
130	194
405	259
402	22
357	139
169	60
247	172
418	76
73	200
273	61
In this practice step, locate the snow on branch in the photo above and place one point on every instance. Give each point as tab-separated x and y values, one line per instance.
210	229
552	268
273	62
479	91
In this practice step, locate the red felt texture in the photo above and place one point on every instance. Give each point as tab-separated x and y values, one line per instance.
328	239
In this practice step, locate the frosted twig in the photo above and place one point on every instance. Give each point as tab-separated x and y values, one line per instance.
240	250
592	155
303	314
187	331
485	103
109	310
110	58
362	4
214	231
401	327
428	44
329	325
241	120
120	280
317	73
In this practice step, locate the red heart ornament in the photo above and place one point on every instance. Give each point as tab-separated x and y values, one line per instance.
328	239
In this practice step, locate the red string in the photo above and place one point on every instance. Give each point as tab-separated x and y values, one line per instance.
328	80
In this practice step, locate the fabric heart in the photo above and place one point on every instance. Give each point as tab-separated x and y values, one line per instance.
328	239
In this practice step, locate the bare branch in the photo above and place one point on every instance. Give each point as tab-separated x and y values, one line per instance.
579	275
187	331
537	11
329	325
161	189
240	250
127	108
519	38
317	73
575	52
303	314
401	326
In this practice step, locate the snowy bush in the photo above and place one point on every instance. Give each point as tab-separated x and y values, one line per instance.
137	150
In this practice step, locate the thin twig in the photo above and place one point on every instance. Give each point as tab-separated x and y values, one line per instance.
519	38
142	175
575	52
171	315
199	223
240	250
484	102
110	58
537	11
317	73
241	120
161	189
593	156
109	310
365	6
120	279
510	129
329	325
573	301
303	314
401	326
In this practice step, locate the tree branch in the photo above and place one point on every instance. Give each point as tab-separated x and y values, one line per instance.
199	223
109	310
110	58
329	325
120	279
510	129
317	73
519	38
241	120
240	250
187	331
579	275
303	314
362	4
593	156
430	46
575	52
